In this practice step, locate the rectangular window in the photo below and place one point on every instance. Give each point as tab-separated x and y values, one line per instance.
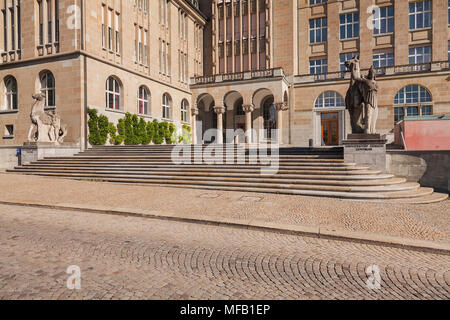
9	131
317	66
383	59
110	39
420	15
383	20
349	25
399	114
13	35
117	33
140	45
318	30
103	28
49	22
311	2
412	111
345	57
57	21
420	55
426	111
41	23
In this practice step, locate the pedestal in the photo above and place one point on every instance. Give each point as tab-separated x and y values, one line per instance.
366	149
33	151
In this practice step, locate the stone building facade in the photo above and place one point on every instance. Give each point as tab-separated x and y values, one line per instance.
113	55
303	44
226	64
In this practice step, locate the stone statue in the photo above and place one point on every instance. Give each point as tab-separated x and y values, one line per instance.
45	125
362	98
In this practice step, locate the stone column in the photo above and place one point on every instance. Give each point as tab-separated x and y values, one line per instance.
280	107
219	111
194	113
248	109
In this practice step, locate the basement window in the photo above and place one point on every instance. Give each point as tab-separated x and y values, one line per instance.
9	132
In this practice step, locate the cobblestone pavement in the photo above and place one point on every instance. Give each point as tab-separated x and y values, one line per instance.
423	222
136	258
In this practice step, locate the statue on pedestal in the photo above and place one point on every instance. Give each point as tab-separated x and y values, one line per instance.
362	98
45	125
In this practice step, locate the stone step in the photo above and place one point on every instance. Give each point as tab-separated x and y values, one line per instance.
383	180
169	165
258	181
262	188
169	159
207	169
298	174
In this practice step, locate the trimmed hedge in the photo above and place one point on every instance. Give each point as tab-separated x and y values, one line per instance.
132	130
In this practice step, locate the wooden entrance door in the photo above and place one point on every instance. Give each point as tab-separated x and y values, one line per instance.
330	128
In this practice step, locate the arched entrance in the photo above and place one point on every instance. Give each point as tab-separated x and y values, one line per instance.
269	116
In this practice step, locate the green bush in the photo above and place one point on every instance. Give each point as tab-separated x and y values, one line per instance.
169	133
129	132
114	138
142	132
159	132
98	128
186	136
121	132
150	131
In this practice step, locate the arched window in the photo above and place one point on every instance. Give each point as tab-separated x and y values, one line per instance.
113	92
412	100
143	100
184	111
10	93
166	106
48	88
329	99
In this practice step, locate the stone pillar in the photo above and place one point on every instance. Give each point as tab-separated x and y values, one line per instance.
194	113
248	109
219	111
280	107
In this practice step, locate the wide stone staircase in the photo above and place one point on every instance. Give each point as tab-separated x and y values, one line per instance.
301	171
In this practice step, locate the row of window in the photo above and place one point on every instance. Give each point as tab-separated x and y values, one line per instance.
381	59
142	5
114	100
412	100
420	16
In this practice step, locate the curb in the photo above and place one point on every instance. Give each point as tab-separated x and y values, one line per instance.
299	230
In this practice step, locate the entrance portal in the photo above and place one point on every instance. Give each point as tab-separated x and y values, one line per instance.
330	128
270	116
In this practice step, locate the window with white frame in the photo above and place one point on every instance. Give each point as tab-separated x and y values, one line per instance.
383	20
420	15
318	30
184	111
164	57
117	32
420	55
412	100
166	106
383	59
103	27
47	81
12	34
329	99
113	94
110	35
317	66
164	13
143	100
349	25
11	93
345	57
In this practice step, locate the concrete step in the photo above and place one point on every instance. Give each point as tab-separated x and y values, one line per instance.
259	181
261	188
144	167
113	164
206	170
